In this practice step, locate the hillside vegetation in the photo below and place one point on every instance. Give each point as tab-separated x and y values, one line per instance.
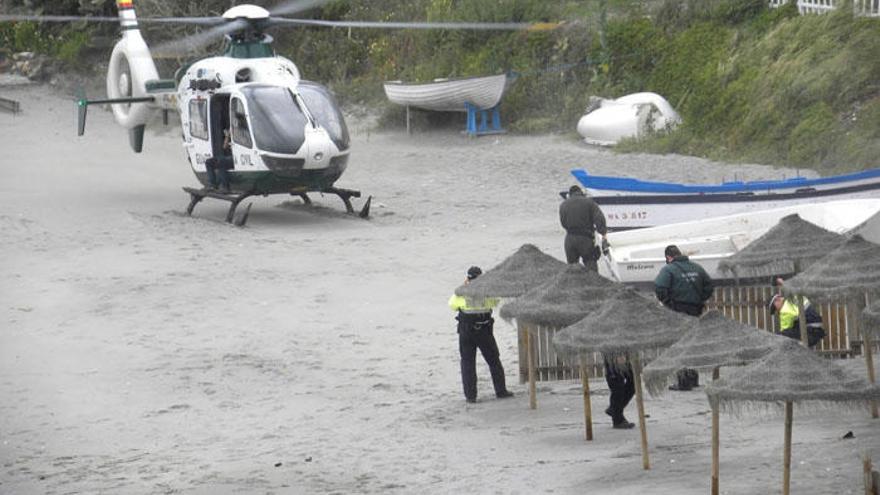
751	83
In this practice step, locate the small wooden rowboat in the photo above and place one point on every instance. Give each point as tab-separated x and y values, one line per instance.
450	95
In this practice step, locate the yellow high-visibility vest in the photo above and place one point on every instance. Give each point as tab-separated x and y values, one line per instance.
788	315
460	303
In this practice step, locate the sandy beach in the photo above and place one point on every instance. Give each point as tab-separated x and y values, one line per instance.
145	351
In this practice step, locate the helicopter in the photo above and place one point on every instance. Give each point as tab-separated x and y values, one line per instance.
276	132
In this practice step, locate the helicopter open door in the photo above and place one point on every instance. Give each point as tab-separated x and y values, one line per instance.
219	110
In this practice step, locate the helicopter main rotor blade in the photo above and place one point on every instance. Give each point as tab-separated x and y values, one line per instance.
480	26
198	41
295	6
146	20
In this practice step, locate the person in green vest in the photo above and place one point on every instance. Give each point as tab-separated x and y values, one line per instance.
475	325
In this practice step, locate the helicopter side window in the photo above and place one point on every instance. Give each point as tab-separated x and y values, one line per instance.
241	133
323	107
198	119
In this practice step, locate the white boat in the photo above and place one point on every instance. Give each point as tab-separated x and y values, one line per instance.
637	255
608	121
632	203
450	95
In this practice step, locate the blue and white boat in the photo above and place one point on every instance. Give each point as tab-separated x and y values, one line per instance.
636	256
632	203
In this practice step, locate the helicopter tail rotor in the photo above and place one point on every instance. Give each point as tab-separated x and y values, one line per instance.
130	67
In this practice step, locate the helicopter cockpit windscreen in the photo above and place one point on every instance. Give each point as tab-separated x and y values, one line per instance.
276	119
324	109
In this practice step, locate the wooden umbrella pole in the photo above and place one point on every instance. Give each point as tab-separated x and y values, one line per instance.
715	441
869	360
530	356
786	457
588	410
802	321
637	375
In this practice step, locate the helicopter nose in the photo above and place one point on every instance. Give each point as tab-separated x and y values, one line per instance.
319	146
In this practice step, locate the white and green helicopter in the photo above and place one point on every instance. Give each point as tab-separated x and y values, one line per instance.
287	135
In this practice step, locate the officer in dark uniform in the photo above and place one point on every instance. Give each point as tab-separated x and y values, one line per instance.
581	218
683	286
219	165
475	324
621	384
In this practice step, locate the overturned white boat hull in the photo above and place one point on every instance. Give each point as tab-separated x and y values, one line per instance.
636	256
632	116
450	95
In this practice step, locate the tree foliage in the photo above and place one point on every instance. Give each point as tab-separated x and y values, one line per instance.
751	83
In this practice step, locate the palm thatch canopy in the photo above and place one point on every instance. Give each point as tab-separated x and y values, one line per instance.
788	248
626	323
520	272
713	341
563	299
850	270
871	319
790	373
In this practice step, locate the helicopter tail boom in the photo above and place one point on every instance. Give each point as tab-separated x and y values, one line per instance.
131	67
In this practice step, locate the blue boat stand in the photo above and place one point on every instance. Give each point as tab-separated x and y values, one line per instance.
474	129
484	127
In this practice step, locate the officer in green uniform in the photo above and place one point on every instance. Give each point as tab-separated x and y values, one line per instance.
475	325
683	286
581	218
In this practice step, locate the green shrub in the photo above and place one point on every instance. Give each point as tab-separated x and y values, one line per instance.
71	46
750	82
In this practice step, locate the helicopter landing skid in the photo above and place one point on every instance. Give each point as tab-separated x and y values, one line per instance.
344	194
196	195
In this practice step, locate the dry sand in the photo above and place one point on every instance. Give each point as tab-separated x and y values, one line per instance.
143	351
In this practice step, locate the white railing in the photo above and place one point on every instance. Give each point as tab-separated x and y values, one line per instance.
869	8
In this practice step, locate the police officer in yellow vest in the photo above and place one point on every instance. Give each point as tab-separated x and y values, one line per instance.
475	324
789	321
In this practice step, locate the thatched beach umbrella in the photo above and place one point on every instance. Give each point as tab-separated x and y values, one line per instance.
560	301
852	271
513	277
627	324
713	342
791	373
564	298
788	248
